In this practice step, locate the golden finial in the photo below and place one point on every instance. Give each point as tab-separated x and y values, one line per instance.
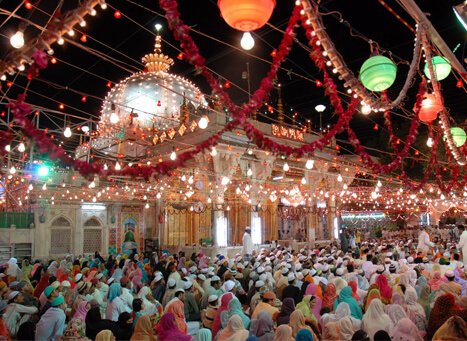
157	61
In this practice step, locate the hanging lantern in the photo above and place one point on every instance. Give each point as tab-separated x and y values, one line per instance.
458	136
246	15
430	108
441	68
378	73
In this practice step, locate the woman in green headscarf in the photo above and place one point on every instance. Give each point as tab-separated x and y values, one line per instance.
306	307
424	300
204	335
26	267
346	296
235	308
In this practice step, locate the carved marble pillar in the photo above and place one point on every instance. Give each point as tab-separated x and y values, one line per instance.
225	164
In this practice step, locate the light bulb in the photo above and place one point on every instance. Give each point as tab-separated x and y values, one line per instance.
247	42
173	156
303	181
249	172
117	166
17	40
365	109
190	180
30	187
12	170
209	200
286	167
21	67
8	148
213	151
60	41
379	184
203	122
67	132
44	187
429	142
183	178
106	167
147	205
309	164
103	6
339	178
85	129
21	147
71	33
114	118
225	181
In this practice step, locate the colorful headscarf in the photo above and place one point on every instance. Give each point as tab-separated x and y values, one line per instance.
115	291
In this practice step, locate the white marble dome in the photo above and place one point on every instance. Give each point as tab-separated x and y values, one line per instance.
149	99
155	98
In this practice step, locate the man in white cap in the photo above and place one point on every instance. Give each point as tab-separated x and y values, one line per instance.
291	290
424	243
455	287
169	292
16	313
229	286
191	306
215	288
209	314
158	287
247	242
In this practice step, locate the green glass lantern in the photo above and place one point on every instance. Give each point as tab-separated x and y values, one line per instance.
441	68
378	73
458	136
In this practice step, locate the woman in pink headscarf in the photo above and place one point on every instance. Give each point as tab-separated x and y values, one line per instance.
406	330
436	281
203	260
167	329
135	274
216	324
312	289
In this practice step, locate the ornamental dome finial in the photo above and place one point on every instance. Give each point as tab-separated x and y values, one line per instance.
157	61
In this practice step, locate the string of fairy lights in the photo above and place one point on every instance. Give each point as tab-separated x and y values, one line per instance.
242	186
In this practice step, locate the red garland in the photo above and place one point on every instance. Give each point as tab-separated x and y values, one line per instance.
413	130
191	51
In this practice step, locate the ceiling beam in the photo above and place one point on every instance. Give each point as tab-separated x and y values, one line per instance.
417	14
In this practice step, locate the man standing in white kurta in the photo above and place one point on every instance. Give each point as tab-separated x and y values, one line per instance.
424	243
247	242
463	244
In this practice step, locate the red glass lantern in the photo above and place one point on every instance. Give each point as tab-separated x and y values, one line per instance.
430	108
246	15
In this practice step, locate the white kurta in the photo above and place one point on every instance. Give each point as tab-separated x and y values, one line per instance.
247	244
463	246
424	243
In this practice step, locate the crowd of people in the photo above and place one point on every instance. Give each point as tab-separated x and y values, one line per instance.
399	290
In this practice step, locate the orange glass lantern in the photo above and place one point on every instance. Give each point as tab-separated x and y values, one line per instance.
430	107
246	15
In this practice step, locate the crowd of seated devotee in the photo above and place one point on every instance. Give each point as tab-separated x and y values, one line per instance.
411	288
